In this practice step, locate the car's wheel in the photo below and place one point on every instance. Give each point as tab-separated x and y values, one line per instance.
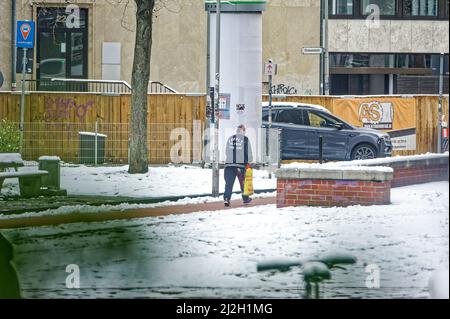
364	151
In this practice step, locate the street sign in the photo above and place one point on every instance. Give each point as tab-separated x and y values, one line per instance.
25	34
312	51
270	68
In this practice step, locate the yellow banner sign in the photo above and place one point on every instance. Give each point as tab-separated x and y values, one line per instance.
397	116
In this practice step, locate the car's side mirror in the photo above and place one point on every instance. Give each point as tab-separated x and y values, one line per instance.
339	126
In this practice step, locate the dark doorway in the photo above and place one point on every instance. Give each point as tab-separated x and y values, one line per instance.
62	47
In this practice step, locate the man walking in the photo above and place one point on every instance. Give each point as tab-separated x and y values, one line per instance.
238	155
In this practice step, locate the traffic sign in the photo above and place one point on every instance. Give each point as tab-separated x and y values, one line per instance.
25	34
270	68
312	51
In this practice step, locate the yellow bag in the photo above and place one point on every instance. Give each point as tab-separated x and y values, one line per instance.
248	182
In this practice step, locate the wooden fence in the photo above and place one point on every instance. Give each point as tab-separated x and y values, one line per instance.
54	120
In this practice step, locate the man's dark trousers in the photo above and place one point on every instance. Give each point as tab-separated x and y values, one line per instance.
231	172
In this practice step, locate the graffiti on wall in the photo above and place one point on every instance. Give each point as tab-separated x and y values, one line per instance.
66	108
283	89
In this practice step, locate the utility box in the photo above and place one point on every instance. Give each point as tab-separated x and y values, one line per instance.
52	166
90	143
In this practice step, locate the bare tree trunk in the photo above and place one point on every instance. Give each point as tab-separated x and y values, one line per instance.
140	77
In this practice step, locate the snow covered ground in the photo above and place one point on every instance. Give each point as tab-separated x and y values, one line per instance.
214	254
158	182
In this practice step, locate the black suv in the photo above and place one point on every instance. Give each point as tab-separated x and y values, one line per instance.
303	124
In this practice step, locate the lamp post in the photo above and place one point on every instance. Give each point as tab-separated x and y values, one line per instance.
215	170
325	53
441	85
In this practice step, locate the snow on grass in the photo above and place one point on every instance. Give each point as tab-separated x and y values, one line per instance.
215	254
158	182
65	210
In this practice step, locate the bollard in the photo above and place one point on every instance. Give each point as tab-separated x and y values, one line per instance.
52	166
320	149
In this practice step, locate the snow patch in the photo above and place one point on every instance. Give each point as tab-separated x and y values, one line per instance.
11	158
331	167
439	284
376	161
49	158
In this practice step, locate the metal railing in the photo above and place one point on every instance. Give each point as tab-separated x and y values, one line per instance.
78	85
158	87
91	86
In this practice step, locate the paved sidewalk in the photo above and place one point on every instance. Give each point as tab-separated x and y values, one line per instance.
131	214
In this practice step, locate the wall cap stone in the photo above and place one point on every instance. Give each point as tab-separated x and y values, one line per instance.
375	174
401	161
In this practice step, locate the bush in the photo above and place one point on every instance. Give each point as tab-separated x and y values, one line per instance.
9	137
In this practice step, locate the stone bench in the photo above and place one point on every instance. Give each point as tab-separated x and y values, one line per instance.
317	185
10	160
29	181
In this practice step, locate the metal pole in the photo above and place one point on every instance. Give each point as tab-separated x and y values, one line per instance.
215	186
208	85
441	85
208	53
320	149
326	54
13	45
322	86
270	126
22	98
96	144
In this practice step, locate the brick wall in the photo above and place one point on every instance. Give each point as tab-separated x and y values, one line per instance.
298	192
404	176
416	170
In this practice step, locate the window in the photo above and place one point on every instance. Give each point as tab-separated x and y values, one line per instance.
320	120
55	18
380	60
291	117
420	8
383	7
340	7
374	74
389	9
358	60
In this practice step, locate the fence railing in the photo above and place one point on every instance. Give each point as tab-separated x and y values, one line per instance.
158	87
108	143
90	86
78	85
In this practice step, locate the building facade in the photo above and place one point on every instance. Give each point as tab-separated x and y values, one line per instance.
94	39
387	46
